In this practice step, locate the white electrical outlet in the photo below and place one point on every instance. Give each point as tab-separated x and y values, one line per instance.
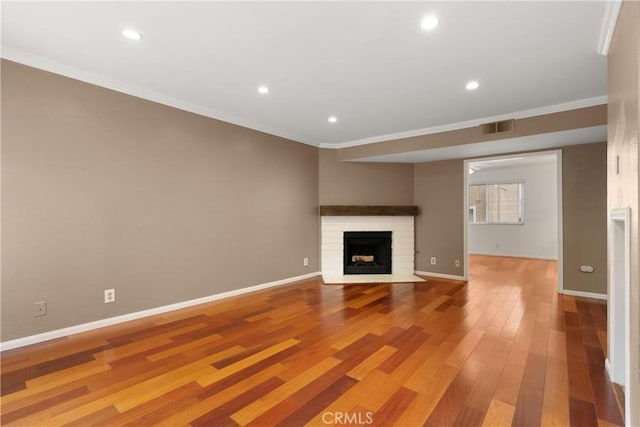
457	263
305	262
109	296
433	260
40	309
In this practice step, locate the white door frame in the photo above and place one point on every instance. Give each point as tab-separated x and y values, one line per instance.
558	154
618	364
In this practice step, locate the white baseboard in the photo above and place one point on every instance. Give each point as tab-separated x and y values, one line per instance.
46	336
584	294
441	276
607	367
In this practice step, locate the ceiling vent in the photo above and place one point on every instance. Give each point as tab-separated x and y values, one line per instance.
498	127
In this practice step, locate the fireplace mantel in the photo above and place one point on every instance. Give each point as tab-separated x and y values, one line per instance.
334	227
346	210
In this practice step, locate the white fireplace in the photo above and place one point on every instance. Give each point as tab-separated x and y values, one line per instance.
402	243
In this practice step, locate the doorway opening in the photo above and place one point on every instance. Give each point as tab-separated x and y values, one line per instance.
513	207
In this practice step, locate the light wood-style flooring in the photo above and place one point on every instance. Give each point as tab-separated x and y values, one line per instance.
503	349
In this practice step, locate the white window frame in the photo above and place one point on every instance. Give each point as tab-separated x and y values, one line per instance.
486	184
472	211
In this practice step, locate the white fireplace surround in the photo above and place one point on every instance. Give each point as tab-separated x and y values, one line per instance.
402	241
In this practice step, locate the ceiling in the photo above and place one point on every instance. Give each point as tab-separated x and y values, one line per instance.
367	63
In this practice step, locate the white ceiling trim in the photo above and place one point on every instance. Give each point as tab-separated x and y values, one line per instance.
45	64
567	106
39	62
609	21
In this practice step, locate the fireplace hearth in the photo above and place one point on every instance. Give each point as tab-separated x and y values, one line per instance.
367	252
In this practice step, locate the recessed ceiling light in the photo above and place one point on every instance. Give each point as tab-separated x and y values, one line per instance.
429	22
131	34
333	119
472	85
263	90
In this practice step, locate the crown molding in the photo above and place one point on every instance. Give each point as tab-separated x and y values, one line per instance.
608	26
55	67
45	64
557	108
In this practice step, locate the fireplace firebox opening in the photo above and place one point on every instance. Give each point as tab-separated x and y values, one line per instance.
367	252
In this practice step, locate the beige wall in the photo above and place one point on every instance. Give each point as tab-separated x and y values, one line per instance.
104	190
624	136
354	183
584	225
439	192
440	226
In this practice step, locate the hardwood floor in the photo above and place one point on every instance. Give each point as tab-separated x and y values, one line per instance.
504	349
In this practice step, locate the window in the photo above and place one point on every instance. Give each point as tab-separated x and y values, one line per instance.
500	203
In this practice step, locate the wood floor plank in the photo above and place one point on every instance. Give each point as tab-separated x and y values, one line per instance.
12	381
420	408
509	383
372	362
216	375
579	380
464	348
535	372
503	349
112	384
10	416
394	407
358	395
468	417
603	423
582	414
406	345
248	413
95	418
177	349
223	412
157	408
480	396
50	385
554	418
112	392
556	386
499	414
604	397
317	403
451	402
433	363
528	407
202	406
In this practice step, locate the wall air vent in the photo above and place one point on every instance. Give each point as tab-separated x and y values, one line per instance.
498	127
